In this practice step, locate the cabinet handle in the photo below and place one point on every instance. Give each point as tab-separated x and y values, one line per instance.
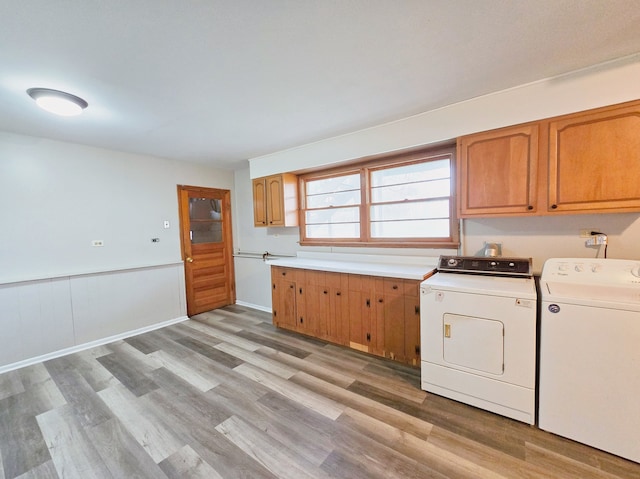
291	286
338	293
368	303
301	320
270	222
417	349
417	309
368	336
284	273
325	291
529	207
300	290
380	300
553	207
274	286
275	313
395	286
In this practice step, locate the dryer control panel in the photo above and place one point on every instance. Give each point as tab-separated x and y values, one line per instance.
485	266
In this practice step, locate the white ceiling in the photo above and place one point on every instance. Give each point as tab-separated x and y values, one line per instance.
221	81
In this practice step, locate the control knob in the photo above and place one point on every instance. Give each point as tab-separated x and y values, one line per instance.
452	262
635	270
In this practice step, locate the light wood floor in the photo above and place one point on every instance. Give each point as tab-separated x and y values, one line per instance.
227	395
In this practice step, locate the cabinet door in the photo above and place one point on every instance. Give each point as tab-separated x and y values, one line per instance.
594	160
259	202
282	200
412	322
361	297
497	172
394	319
337	321
275	201
283	297
315	297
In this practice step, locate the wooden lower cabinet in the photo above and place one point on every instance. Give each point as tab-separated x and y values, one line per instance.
283	292
376	315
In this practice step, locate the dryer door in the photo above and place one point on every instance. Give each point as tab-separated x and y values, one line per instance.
474	343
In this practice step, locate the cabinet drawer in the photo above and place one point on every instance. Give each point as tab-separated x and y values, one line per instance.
393	286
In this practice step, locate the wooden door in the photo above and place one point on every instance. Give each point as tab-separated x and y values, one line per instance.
497	172
207	247
594	160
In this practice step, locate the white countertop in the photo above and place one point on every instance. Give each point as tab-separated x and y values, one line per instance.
407	267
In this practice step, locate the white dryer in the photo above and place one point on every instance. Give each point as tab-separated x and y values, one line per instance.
590	353
478	334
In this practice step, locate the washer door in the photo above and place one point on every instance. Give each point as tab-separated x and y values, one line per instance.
474	343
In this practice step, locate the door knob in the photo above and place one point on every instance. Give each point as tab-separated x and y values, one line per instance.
189	259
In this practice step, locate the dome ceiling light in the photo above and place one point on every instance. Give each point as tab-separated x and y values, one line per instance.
58	102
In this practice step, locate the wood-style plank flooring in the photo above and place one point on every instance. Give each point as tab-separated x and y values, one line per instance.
226	395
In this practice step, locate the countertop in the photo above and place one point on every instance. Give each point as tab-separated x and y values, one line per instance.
406	267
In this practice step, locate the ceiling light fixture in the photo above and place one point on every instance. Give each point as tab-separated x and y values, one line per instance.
58	102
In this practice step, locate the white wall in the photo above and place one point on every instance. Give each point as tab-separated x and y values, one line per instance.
253	280
57	197
605	84
56	290
544	237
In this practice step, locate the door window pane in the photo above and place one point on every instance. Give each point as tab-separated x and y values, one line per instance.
205	217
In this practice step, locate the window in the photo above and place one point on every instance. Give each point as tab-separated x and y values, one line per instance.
388	202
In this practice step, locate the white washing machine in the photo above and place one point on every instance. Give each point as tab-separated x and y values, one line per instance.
590	353
478	334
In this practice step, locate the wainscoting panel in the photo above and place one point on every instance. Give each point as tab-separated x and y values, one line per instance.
44	316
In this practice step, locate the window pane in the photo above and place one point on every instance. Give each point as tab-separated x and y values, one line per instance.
438	228
338	230
407	211
334	184
333	215
430	170
412	191
334	199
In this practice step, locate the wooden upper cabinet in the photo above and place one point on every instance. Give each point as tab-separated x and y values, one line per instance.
259	202
594	161
497	171
275	200
587	162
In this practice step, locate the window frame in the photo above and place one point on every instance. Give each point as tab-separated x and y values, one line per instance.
364	168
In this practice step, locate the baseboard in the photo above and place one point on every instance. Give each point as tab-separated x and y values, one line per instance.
89	345
254	306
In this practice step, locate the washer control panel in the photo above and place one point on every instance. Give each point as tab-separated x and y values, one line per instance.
592	271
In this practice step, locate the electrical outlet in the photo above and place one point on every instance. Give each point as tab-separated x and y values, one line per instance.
586	232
